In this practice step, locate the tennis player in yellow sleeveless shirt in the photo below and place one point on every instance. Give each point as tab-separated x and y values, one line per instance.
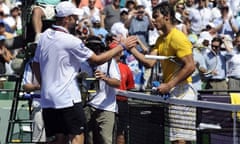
176	73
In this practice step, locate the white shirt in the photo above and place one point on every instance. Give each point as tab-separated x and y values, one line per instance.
105	97
87	12
216	13
11	22
233	64
29	78
5	9
59	55
199	18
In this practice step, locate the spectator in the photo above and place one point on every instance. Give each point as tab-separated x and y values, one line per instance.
216	11
4	8
97	29
234	6
200	65
31	85
180	8
152	34
15	21
101	106
153	3
199	16
119	28
226	25
131	6
90	10
110	15
216	64
56	64
127	83
189	4
3	31
97	3
233	64
145	3
5	55
2	20
139	25
180	24
209	32
83	29
176	80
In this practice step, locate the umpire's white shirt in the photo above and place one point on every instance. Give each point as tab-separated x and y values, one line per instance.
59	55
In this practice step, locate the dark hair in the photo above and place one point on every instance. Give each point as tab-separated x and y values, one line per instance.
238	34
123	12
2	24
165	9
109	37
95	44
217	39
224	8
14	9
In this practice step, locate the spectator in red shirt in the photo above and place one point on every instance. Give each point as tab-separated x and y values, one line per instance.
127	83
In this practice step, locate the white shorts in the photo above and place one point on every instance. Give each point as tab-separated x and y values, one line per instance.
182	119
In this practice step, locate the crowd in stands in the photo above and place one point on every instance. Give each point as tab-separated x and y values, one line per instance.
200	20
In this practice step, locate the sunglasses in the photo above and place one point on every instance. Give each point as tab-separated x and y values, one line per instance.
214	46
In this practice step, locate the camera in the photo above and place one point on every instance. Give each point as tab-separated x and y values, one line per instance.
87	84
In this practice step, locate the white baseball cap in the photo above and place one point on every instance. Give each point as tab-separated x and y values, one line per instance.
123	10
95	19
66	8
212	25
178	16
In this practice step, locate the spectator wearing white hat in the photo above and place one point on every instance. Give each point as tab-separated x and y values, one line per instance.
180	24
56	64
119	28
97	29
209	32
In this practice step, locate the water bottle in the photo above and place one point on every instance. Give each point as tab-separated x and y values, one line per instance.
155	85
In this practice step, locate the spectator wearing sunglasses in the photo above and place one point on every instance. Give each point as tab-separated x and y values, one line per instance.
216	64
